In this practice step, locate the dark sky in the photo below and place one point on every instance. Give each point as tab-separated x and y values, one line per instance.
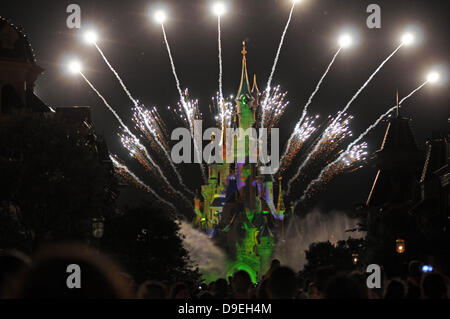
133	44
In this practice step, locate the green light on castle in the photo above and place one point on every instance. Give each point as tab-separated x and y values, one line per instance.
236	206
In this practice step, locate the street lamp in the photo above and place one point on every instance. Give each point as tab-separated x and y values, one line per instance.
98	227
400	246
355	258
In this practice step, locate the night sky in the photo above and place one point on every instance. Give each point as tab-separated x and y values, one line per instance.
133	44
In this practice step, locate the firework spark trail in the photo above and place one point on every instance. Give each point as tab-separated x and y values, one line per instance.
189	112
219	40
109	107
136	104
303	133
275	62
366	83
174	71
116	75
340	113
135	139
305	108
138	181
163	148
356	141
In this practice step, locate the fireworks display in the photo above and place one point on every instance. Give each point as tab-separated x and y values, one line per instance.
341	113
314	146
275	62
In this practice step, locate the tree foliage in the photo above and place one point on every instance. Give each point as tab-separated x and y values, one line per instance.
146	240
52	177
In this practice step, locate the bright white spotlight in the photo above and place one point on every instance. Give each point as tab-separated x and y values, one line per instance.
407	38
160	16
74	67
296	1
219	8
90	37
433	77
345	40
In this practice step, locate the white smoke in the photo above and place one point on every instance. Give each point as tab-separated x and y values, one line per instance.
209	258
316	226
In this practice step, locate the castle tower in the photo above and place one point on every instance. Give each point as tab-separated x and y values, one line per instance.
244	98
398	161
239	207
18	71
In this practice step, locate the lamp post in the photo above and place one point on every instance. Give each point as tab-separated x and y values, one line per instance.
98	227
355	258
400	246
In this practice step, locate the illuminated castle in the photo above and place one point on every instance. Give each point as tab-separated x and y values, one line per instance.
236	207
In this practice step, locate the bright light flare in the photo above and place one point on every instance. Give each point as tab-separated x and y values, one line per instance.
219	9
408	38
160	16
345	41
90	37
433	77
75	67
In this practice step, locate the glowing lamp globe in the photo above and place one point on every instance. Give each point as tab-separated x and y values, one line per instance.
75	67
355	258
90	37
160	17
345	41
433	77
219	9
407	38
400	246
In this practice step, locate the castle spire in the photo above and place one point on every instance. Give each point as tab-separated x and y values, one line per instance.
281	208
244	87
255	88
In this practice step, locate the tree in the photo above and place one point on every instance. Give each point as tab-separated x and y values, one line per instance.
146	241
51	176
339	256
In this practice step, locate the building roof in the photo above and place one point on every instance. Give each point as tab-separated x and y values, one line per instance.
436	157
399	161
14	43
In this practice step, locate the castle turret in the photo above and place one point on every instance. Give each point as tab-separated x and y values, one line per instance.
18	71
244	98
398	160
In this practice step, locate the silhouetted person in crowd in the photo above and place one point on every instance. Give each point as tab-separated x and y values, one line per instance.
50	276
205	295
180	291
313	292
395	290
360	280
131	284
241	283
320	281
282	283
433	287
413	282
12	262
261	290
152	290
344	287
273	265
220	289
